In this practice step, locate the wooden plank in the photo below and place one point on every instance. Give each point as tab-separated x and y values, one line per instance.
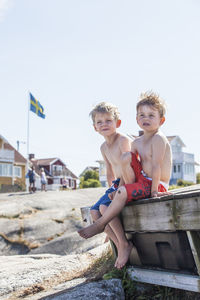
186	194
187	188
169	215
174	280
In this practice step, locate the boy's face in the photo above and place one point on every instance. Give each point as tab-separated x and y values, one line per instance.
148	118
105	124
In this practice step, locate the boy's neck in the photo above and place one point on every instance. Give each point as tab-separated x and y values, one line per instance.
147	134
111	139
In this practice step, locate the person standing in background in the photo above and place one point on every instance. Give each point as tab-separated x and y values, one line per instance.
43	180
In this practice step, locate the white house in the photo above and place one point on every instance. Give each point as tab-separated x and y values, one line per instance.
183	163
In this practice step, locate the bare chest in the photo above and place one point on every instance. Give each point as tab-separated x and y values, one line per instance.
145	151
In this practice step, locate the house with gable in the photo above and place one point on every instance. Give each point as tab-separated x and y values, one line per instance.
55	170
12	168
183	166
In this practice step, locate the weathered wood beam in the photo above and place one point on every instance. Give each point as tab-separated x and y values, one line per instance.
174	280
179	213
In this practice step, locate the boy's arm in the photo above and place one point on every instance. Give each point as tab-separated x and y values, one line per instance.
126	170
158	152
109	171
128	175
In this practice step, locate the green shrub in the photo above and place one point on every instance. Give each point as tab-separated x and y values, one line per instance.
91	175
198	177
89	180
181	182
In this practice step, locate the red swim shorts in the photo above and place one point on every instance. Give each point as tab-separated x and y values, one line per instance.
141	188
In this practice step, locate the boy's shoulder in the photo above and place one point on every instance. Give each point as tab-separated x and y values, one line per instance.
159	137
124	137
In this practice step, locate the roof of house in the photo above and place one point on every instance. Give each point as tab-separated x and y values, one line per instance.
3	138
170	138
89	168
48	161
71	173
17	156
44	161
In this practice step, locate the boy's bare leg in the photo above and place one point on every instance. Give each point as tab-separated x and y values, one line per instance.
126	169
113	210
108	230
123	246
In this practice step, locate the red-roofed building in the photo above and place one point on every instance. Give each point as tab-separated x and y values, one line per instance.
12	168
56	171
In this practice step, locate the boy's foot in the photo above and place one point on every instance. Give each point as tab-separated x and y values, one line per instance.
91	230
123	255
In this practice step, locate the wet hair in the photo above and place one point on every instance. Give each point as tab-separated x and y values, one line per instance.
154	100
105	107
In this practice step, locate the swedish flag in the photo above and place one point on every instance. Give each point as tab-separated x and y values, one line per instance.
36	107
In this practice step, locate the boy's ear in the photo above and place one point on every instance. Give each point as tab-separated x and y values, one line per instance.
94	127
118	123
162	120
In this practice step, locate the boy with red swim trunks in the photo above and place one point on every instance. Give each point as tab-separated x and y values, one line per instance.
151	160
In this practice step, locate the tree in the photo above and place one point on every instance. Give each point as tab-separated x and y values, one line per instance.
90	179
91	174
198	177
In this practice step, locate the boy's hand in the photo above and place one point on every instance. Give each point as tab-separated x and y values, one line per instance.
159	194
112	195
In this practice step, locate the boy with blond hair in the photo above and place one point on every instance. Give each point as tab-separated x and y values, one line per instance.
150	159
106	121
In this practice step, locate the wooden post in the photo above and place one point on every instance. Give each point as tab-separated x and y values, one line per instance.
86	216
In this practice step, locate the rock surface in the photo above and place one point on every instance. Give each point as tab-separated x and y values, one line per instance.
105	289
36	232
35	276
45	222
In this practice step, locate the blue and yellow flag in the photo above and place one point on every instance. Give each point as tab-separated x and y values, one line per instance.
36	107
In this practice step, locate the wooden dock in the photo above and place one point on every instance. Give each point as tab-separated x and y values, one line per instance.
165	233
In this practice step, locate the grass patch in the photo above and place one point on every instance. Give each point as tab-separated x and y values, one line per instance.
100	266
143	291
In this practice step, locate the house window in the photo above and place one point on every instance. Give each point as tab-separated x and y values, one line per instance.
72	185
174	168
57	168
70	182
18	172
179	168
6	170
191	169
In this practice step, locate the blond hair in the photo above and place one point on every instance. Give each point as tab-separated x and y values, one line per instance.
105	107
152	99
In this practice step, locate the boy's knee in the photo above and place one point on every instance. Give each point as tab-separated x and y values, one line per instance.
95	214
122	191
102	208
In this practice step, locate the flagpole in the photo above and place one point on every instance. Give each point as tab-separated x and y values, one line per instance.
27	164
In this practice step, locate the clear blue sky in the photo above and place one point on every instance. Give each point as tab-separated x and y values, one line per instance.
73	54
